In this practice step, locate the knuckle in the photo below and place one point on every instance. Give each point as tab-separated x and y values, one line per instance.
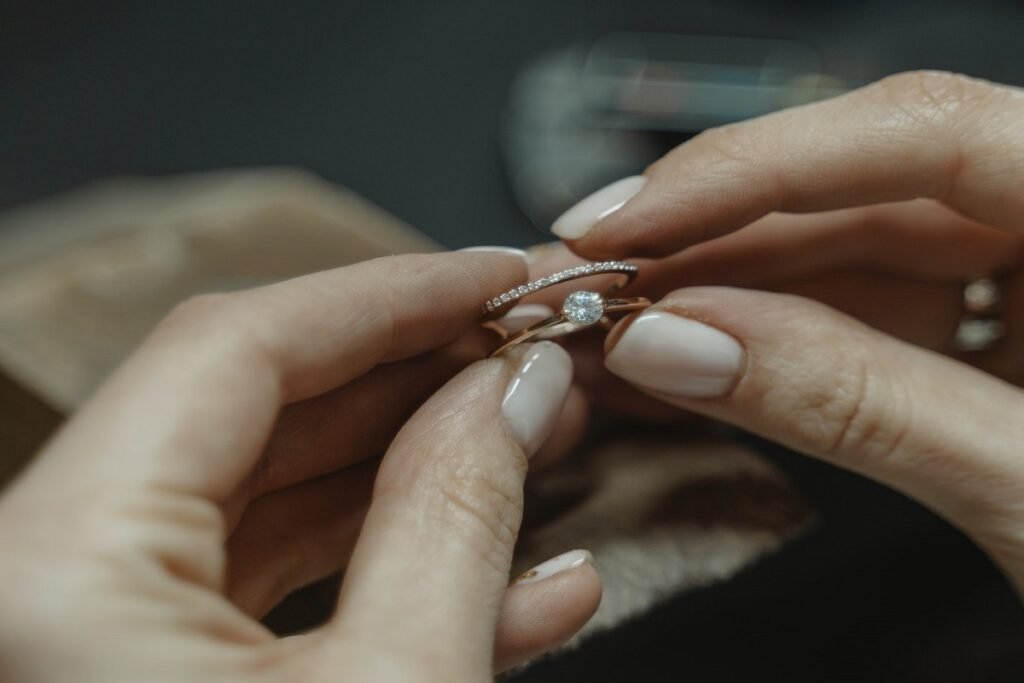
200	314
231	318
746	149
731	145
853	415
933	99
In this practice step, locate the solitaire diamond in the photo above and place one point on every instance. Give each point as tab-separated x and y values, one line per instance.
583	308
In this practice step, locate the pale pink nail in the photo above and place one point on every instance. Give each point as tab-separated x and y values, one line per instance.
535	395
511	251
524	315
556	565
577	221
676	355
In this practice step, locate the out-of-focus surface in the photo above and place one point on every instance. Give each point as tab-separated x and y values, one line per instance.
85	277
402	101
592	113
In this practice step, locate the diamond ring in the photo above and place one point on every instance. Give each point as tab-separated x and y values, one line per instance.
580	310
626	271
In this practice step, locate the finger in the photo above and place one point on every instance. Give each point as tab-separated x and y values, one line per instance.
925	313
191	410
293	537
546	607
524	315
802	374
922	134
918	239
329	432
431	566
568	432
609	393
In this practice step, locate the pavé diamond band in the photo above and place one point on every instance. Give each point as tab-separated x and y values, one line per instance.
626	272
580	310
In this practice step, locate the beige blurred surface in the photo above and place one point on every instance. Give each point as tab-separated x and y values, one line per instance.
83	277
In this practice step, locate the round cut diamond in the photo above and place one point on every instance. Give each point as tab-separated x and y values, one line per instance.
583	308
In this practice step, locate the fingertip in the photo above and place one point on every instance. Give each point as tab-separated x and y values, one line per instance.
568	432
543	614
536	393
580	219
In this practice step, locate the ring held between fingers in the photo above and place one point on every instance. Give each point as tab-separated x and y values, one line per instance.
431	566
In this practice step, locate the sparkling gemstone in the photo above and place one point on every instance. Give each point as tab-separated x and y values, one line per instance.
583	308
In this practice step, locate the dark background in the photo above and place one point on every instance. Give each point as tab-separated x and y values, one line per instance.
403	102
399	100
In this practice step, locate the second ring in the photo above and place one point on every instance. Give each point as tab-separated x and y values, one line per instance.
580	310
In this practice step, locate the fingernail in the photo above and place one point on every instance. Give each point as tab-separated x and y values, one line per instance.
512	251
676	355
534	397
577	221
524	315
556	565
538	252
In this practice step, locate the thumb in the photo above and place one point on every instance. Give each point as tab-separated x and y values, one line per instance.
430	569
822	383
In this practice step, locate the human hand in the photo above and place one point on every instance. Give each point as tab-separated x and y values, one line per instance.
803	373
230	460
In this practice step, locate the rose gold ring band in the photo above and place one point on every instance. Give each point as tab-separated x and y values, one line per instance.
563	324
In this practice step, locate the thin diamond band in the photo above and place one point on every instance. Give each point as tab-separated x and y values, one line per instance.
509	298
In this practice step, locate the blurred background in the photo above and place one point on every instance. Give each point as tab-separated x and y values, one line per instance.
152	150
446	113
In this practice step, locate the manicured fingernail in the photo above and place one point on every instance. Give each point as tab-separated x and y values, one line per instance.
512	251
538	252
577	221
675	355
534	397
556	565
524	315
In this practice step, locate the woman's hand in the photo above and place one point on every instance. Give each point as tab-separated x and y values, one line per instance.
230	460
803	373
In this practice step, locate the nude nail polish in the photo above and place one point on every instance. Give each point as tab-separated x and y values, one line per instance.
556	565
577	221
511	251
676	355
524	315
535	394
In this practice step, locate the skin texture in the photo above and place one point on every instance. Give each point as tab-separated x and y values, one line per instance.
238	455
904	190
